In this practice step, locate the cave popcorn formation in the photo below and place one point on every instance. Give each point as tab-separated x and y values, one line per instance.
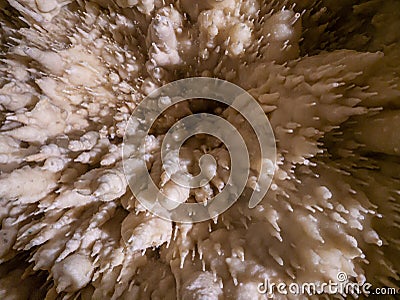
72	72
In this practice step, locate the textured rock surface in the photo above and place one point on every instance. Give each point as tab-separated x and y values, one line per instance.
326	74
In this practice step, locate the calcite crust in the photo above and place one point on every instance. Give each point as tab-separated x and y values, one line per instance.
72	72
